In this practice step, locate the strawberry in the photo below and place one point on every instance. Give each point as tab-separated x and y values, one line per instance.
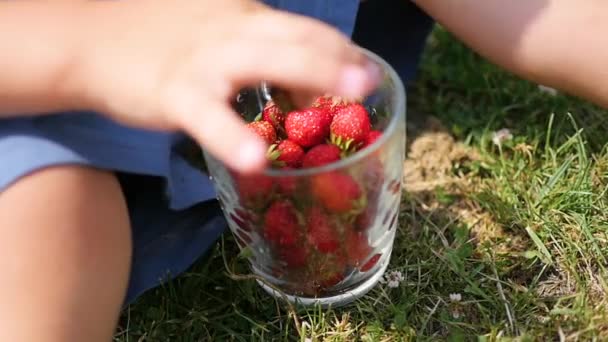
287	185
245	215
371	137
322	233
240	223
331	280
331	104
356	247
321	155
253	189
350	126
281	224
328	271
364	220
323	101
291	154
307	127
371	263
337	191
294	256
273	114
265	130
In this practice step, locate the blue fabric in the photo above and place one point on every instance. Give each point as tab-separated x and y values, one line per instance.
396	30
174	214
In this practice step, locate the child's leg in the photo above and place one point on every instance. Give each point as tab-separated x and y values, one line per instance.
65	252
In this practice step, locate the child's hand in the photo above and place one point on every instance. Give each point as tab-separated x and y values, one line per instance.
177	65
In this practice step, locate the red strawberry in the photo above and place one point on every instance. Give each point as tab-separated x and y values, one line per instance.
307	127
294	256
265	130
287	185
371	263
281	224
323	101
357	248
253	188
364	220
329	103
321	155
350	126
372	136
273	114
337	191
322	233
290	153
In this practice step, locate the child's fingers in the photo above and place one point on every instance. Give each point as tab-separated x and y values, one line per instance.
221	132
300	53
305	68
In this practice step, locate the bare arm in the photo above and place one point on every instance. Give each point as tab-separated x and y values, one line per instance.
559	43
39	44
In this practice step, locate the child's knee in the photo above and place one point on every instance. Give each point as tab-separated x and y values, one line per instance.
66	247
86	204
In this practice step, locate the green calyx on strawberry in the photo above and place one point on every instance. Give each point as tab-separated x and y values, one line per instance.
321	155
350	127
281	224
308	127
265	130
338	192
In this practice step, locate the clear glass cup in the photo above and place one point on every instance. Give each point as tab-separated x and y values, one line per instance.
337	249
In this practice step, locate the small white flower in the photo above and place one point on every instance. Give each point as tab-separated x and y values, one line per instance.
501	136
392	284
547	90
392	279
455	314
455	297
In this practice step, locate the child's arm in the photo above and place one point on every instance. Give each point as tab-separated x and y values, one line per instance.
559	43
171	65
38	41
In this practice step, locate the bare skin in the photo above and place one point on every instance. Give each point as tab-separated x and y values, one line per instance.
66	252
170	65
558	43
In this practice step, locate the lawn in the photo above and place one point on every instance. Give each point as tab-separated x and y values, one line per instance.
503	233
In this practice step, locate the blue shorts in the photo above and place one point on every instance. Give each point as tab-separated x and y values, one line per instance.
174	214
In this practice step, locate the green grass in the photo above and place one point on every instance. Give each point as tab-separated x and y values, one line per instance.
520	233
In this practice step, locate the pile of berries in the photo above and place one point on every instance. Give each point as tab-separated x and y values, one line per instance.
328	131
315	226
